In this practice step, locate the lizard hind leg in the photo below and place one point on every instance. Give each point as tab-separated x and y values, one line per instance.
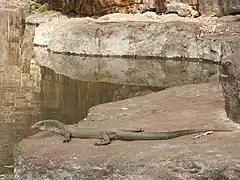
105	140
136	130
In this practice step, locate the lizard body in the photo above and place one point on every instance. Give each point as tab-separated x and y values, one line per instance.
75	131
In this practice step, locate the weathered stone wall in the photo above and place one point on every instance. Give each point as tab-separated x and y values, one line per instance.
98	8
164	37
205	7
219	7
15	84
230	80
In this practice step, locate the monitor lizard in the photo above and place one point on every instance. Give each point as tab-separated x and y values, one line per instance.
76	131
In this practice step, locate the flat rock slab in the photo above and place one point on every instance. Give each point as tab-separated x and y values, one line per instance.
216	156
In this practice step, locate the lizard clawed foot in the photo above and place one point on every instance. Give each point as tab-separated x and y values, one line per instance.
66	140
101	143
140	130
105	140
97	144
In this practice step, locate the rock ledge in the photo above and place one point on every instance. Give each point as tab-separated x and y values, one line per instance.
215	156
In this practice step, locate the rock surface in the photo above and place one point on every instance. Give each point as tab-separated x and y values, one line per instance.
219	7
216	156
100	7
210	7
182	9
165	37
230	78
44	17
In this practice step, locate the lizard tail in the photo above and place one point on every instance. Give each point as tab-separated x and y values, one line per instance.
174	134
164	135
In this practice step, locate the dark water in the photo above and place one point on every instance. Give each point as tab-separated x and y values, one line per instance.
41	94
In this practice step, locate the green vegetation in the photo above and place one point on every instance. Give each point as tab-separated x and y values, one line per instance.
6	176
37	6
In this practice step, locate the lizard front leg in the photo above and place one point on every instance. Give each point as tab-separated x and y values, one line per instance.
105	140
67	137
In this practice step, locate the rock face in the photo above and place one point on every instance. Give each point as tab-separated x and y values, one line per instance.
97	7
219	7
101	7
165	37
211	157
12	28
211	7
230	78
182	9
160	6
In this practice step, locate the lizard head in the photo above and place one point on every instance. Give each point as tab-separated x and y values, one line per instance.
46	125
40	125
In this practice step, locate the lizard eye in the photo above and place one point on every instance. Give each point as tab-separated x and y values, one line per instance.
228	63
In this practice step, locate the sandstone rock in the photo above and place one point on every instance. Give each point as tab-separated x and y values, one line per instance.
230	80
160	6
211	157
15	5
231	18
219	7
97	7
182	9
194	13
193	3
209	7
151	15
165	37
151	4
44	17
118	17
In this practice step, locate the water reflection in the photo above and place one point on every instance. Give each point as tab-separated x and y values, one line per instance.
69	99
160	72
